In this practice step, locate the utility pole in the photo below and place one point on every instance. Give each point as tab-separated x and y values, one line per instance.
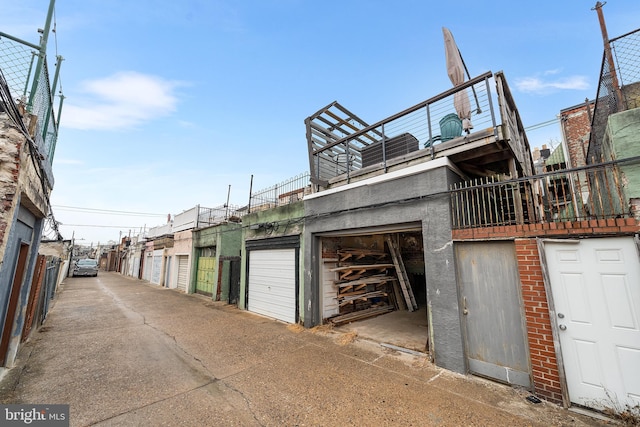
71	254
226	214
609	56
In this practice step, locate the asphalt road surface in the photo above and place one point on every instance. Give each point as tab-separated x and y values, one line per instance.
122	352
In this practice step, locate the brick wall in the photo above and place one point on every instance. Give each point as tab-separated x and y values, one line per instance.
576	128
544	364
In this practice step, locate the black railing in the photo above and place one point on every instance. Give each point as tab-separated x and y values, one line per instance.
590	192
286	192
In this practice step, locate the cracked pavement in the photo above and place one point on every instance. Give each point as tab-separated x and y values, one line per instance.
122	352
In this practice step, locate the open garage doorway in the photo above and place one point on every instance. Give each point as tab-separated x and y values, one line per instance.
373	284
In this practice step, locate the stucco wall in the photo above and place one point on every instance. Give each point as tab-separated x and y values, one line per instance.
10	144
21	191
182	242
56	249
418	198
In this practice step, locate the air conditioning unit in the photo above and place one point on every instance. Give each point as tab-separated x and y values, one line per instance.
395	147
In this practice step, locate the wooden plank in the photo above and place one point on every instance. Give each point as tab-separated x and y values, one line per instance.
405	285
356	271
377	279
359	254
361	314
363	296
397	292
363	267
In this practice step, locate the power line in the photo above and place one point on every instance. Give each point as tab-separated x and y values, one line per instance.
106	211
543	124
103	226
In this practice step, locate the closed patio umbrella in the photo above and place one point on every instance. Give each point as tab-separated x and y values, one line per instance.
455	70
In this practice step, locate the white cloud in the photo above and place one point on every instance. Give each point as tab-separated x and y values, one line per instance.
542	86
120	101
552	72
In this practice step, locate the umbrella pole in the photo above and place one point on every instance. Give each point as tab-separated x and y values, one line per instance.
475	96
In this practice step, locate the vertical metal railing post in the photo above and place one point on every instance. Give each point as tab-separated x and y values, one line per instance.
42	54
384	150
493	114
50	98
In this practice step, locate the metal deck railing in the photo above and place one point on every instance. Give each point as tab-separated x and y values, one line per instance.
340	142
284	193
590	192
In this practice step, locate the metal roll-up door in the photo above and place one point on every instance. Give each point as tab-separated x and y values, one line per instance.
183	272
272	283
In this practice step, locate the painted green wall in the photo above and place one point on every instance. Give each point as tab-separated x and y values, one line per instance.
287	220
227	239
623	137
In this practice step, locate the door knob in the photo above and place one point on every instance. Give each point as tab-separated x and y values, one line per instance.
562	327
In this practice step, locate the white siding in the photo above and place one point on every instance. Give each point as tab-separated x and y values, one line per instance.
329	290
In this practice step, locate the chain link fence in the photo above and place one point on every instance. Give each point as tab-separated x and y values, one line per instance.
619	88
30	88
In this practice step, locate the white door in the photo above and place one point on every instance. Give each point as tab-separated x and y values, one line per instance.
156	268
136	267
595	286
272	283
148	266
183	272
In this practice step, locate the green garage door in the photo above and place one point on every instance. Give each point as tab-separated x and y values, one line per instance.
206	275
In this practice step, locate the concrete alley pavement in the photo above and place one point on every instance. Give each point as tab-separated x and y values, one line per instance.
122	352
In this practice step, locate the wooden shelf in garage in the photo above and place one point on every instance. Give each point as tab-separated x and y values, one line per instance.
358	254
361	289
353	272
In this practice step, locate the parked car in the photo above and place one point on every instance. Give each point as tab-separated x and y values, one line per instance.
86	267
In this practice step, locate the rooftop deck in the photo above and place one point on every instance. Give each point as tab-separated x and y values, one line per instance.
343	148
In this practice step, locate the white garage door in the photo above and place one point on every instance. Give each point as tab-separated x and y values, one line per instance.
183	272
596	294
272	283
156	267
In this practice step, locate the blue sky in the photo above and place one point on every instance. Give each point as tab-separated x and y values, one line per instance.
169	103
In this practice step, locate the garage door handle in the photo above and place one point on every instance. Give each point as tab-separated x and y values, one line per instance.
562	327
